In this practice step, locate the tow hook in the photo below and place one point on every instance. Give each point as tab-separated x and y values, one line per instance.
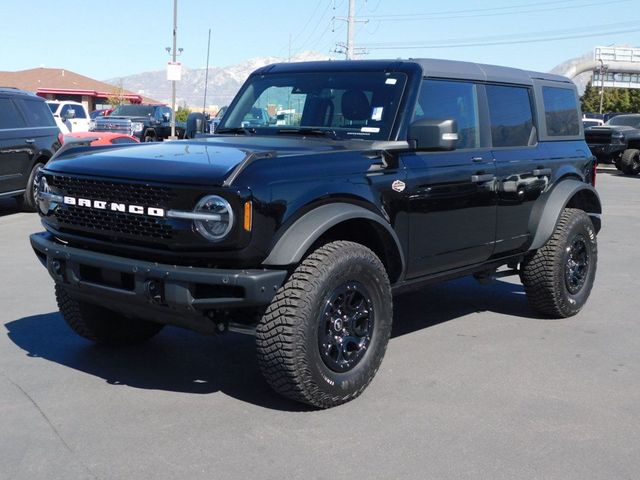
153	289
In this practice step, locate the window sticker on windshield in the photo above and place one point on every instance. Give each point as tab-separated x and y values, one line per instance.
370	129
377	114
391	81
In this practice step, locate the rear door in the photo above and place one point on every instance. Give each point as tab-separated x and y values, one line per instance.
522	163
452	204
15	152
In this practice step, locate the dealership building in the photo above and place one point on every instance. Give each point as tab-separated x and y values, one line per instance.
61	84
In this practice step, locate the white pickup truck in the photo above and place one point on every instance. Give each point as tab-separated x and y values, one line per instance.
69	116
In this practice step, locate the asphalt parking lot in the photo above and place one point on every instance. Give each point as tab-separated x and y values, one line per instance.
473	385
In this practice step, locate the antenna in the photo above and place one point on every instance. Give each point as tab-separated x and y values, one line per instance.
206	75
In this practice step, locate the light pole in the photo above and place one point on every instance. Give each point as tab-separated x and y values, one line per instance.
174	53
602	70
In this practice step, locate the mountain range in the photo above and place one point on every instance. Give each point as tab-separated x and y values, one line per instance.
224	82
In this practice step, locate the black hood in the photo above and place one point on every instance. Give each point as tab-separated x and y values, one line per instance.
197	162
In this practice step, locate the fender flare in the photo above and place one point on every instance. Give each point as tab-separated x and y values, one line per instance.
545	214
302	234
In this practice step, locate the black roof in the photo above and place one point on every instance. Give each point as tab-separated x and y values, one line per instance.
431	68
17	91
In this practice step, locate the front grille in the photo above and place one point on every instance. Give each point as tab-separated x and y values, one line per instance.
111	223
119	223
113	125
139	194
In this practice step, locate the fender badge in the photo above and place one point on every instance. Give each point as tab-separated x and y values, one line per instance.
398	185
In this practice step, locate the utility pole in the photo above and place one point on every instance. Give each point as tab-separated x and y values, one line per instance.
173	59
351	26
348	48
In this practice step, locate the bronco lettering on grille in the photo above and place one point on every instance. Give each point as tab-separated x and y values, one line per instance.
113	206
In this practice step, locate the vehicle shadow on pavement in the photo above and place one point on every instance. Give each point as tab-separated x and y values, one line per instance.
450	300
8	206
178	360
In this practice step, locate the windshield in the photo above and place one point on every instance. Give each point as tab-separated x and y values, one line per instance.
627	120
134	110
345	104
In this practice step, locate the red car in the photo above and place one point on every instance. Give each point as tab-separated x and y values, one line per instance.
100	138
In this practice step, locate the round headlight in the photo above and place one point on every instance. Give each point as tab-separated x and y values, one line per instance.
221	217
137	127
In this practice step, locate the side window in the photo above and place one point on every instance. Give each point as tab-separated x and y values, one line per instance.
510	114
9	115
444	99
38	114
79	111
560	111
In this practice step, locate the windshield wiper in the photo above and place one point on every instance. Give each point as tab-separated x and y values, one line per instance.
311	131
245	130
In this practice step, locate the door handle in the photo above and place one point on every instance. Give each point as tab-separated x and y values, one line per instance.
477	159
29	140
487	177
538	172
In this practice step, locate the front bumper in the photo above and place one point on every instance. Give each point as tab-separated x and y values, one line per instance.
178	295
606	151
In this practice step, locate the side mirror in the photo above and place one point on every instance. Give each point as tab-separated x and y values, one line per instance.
432	134
68	115
166	117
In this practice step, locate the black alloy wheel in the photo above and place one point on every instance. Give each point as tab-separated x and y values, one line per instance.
576	269
346	327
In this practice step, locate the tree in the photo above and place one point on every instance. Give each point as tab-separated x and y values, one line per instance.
624	100
118	96
182	113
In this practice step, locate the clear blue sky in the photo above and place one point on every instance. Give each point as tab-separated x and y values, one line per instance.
105	39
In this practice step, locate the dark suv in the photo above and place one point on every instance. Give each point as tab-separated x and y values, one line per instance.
28	138
382	176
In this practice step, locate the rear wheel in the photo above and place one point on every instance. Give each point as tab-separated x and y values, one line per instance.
630	161
558	277
322	339
102	325
29	199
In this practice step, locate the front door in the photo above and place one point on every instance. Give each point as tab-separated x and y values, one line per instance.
451	195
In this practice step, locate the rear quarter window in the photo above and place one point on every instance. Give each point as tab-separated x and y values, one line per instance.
38	113
561	111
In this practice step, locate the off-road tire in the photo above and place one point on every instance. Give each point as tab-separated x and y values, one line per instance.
27	201
545	274
630	161
102	325
287	336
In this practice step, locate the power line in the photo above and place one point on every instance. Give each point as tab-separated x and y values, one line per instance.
504	42
531	10
592	30
487	11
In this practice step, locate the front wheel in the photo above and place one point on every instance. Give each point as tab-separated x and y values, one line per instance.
630	161
558	277
322	339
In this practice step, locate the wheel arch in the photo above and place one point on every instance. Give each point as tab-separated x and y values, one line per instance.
568	193
339	221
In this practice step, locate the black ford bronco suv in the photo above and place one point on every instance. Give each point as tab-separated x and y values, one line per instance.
383	176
